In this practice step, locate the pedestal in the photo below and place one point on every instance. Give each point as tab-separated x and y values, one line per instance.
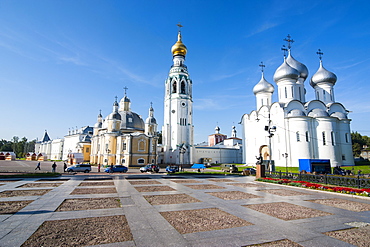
260	173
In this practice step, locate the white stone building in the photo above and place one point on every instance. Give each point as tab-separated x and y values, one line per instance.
229	150
293	128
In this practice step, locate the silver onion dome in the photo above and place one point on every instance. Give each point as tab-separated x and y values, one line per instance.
301	68
285	71
263	86
322	75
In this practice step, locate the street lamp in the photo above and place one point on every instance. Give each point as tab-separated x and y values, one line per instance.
270	130
108	151
285	155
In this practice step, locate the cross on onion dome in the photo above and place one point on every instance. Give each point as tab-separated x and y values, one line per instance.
289	41
262	66
320	53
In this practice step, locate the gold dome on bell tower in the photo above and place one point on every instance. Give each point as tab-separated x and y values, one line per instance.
179	48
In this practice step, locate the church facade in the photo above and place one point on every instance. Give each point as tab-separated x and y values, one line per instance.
177	131
122	137
293	128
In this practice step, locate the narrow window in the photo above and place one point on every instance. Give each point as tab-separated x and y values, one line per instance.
346	136
298	137
317	95
300	94
292	92
183	87
332	138
174	87
286	93
323	138
306	136
123	146
343	157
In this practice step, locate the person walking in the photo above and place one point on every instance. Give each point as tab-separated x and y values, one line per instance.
65	166
38	166
99	168
53	166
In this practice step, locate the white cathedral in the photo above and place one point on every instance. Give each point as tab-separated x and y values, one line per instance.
293	128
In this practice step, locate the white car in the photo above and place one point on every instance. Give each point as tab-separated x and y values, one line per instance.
79	168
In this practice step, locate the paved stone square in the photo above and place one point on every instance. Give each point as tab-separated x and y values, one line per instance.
155	210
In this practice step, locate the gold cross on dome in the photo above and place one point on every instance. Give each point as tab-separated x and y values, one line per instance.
289	41
180	26
125	88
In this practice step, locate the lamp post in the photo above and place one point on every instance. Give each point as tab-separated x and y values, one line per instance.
108	151
270	129
285	155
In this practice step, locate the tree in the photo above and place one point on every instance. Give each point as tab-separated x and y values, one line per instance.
159	134
358	142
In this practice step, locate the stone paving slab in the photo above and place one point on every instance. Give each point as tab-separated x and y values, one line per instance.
150	228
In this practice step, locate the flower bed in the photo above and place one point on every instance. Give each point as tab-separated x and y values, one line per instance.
304	184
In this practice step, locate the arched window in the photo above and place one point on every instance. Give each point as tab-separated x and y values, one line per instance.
124	146
141	161
123	161
183	87
174	87
141	145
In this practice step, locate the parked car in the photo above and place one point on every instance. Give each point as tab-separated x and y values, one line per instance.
251	171
172	169
229	168
116	168
150	168
79	168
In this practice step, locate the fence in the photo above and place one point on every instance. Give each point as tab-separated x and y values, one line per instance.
355	181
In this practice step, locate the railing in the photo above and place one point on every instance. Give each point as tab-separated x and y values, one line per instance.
354	181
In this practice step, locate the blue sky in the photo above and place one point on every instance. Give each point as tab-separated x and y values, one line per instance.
63	61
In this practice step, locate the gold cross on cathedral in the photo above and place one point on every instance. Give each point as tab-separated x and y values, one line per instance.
180	26
289	41
125	88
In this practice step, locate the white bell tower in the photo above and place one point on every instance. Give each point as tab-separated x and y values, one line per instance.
177	132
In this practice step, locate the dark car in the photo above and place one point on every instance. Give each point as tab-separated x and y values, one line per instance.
117	168
150	168
251	171
172	169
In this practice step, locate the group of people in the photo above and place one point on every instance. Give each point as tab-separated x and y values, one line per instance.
53	167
